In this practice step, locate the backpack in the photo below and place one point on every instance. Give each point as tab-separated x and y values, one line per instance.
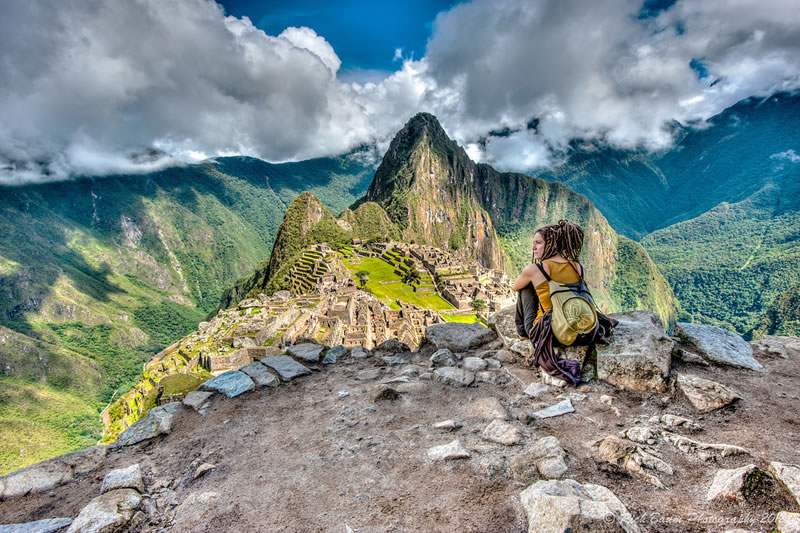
574	313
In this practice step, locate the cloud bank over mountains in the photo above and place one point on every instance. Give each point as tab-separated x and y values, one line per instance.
98	87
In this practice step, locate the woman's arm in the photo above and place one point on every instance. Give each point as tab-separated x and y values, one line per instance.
526	277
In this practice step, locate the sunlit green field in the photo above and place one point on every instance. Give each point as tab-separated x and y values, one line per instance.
379	271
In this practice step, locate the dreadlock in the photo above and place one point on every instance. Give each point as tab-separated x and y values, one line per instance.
565	238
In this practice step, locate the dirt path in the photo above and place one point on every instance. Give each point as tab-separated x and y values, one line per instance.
308	457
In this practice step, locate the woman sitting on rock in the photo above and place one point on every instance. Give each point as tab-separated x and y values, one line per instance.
556	248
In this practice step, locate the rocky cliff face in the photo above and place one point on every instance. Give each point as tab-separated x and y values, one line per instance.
426	185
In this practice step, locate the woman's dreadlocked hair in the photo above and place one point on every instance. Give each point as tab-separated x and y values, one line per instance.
565	238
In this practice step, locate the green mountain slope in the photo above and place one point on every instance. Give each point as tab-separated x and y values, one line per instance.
110	271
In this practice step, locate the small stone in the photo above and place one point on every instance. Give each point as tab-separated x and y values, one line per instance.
334	354
561	408
231	384
502	432
492	377
641	434
447	425
787	522
198	400
789	476
534	390
443	357
606	399
448	452
426	376
547	379
487	409
343	394
111	511
674	421
521	349
359	353
392	346
544	458
457	377
493	364
736	485
705	395
202	469
123	478
504	356
474	364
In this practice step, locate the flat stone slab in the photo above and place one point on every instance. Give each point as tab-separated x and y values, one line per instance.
108	512
198	400
123	478
260	375
706	451
502	432
555	506
50	473
448	452
307	352
457	377
458	337
487	409
231	384
705	395
368	374
48	525
561	408
718	345
789	476
157	422
286	367
447	425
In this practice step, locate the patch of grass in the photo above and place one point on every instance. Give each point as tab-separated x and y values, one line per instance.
380	271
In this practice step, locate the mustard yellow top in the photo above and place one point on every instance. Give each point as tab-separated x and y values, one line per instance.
560	272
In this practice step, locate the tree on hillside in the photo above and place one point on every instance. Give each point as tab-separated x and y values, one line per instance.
363	277
478	306
411	276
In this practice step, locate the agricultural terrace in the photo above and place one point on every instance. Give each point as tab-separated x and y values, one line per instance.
380	272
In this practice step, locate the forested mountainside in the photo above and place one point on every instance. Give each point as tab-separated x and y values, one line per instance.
718	212
99	274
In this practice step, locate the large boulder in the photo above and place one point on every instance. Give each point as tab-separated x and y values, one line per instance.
458	337
718	345
737	485
789	476
502	323
639	355
308	352
557	506
50	473
286	367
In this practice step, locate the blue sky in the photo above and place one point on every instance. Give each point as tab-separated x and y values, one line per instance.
365	34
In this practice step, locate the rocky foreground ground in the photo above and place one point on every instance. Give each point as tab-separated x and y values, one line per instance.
692	433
